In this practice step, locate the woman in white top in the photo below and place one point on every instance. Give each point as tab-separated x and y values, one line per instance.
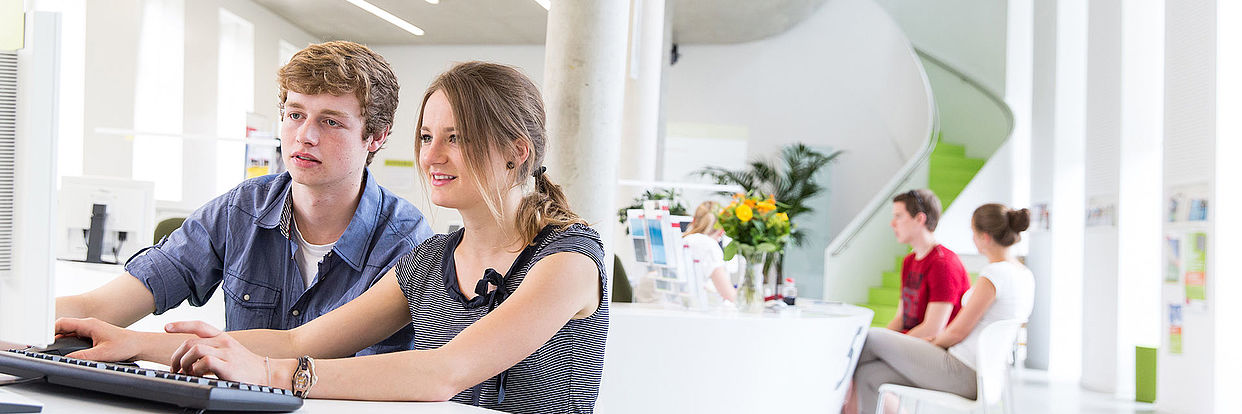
703	238
1005	289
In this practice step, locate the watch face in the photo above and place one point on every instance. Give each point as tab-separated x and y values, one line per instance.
301	380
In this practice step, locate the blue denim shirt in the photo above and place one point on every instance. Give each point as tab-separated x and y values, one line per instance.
241	240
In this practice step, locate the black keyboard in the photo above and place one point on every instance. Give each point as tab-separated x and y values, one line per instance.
181	390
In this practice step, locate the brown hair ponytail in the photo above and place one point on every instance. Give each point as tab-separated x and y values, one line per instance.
1003	224
499	109
545	206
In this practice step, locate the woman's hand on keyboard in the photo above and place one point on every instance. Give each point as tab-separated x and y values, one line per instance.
109	343
215	352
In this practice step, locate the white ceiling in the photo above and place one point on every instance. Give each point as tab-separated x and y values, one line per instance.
525	22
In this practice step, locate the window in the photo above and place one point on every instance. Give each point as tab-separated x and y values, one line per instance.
235	98
159	97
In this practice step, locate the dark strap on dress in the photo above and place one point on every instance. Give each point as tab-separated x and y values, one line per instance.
495	297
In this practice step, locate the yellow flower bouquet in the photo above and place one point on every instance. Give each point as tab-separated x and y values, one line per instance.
758	228
756	225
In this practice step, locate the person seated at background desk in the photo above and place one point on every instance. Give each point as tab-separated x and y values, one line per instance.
932	277
1005	289
287	248
538	329
703	238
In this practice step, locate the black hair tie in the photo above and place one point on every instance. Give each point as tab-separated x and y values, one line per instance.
542	169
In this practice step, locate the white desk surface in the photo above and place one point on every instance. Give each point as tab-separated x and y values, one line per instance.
661	359
58	399
76	277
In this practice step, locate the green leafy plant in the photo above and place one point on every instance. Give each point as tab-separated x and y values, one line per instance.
675	207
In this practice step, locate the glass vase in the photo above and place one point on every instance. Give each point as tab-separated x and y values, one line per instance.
750	284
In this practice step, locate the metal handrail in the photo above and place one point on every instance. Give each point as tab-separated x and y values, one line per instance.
876	204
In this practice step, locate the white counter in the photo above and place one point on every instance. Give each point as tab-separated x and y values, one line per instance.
673	360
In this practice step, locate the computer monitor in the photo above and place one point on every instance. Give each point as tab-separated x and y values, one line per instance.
28	182
104	220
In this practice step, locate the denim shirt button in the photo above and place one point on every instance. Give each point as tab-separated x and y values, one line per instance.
246	297
295	312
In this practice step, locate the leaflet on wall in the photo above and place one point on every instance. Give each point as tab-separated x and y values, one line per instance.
1043	219
1187	203
1175	329
1196	269
1172	259
1102	212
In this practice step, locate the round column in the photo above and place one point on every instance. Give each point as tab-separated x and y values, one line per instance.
584	89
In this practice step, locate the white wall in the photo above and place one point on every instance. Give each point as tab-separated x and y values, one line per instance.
1187	381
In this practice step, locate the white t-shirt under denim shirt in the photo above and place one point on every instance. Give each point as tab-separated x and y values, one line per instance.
1015	296
309	255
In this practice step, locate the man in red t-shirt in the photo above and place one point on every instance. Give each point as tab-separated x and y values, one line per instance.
932	277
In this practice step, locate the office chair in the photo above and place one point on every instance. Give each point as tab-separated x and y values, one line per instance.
166	227
621	289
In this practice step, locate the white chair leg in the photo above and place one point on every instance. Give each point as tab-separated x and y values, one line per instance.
1007	394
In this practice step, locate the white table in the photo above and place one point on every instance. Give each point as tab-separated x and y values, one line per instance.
76	277
673	360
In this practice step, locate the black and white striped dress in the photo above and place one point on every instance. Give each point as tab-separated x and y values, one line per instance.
563	375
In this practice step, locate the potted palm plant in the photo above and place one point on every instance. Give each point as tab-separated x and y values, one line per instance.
791	178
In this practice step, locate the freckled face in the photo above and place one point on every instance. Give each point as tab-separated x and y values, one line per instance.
321	139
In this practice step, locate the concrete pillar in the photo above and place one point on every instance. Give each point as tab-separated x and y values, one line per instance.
584	89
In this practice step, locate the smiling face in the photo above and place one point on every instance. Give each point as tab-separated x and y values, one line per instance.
440	156
322	139
454	176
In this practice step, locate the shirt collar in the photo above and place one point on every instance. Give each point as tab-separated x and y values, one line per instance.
353	245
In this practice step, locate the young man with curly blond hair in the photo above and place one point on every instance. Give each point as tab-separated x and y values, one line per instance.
289	247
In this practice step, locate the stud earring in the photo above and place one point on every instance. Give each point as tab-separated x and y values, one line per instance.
509	165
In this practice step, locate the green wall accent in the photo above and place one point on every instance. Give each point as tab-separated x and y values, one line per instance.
1144	374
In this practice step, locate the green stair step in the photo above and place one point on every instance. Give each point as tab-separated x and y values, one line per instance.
884	296
946	193
892	279
937	162
952	175
883	314
944	148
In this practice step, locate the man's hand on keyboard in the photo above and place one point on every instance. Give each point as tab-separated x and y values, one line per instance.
215	352
110	342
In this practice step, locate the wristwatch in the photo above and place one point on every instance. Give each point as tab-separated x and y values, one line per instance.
304	377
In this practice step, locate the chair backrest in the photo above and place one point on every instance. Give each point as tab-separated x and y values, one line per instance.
166	227
992	360
621	289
